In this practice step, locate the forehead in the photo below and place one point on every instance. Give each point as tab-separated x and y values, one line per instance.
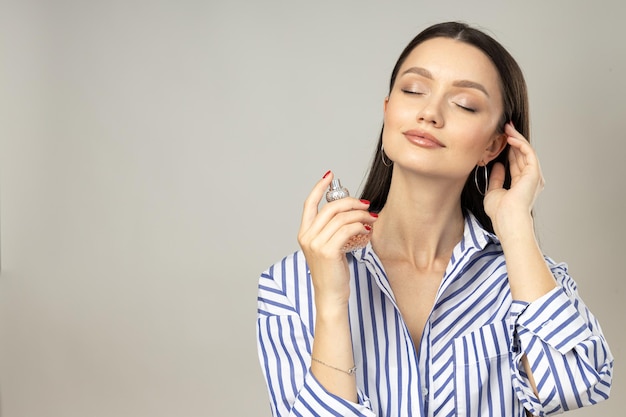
451	60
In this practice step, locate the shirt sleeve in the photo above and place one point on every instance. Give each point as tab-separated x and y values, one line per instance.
284	346
569	357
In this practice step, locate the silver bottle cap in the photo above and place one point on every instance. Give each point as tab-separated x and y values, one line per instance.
336	191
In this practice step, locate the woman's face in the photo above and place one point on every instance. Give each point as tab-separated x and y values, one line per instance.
442	115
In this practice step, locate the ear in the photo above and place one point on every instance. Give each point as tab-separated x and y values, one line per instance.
385	104
496	145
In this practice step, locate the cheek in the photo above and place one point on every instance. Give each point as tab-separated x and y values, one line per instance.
395	114
474	141
480	131
394	120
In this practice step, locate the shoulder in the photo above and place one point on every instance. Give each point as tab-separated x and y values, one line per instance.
287	279
291	266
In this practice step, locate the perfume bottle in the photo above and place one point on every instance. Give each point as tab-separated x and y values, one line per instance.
335	192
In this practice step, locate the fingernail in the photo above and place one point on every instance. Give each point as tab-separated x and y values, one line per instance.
365	201
374	215
325	175
367	227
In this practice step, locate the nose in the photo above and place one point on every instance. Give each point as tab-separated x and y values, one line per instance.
430	113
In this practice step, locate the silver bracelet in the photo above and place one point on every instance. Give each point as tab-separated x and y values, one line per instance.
350	371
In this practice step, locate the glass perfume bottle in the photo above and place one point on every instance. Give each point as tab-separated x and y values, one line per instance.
335	192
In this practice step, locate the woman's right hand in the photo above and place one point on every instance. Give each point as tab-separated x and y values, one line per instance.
323	233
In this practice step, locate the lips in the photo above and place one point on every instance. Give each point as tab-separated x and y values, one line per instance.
422	139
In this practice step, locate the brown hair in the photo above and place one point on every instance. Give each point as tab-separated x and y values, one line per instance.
515	109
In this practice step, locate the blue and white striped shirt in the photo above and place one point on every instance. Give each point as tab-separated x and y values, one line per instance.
469	358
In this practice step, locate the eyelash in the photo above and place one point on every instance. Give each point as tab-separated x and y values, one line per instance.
467	108
418	93
412	92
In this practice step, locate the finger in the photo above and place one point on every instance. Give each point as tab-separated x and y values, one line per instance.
312	202
344	218
519	141
523	153
496	179
328	222
348	236
332	209
314	221
523	161
514	156
510	130
340	229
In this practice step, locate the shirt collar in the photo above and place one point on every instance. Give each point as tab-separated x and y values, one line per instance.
475	234
475	239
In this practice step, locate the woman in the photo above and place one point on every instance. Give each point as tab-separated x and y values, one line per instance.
451	309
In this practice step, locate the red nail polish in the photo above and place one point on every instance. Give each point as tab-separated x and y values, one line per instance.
367	227
374	215
325	175
365	201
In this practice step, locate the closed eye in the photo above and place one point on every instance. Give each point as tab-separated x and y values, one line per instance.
469	109
419	93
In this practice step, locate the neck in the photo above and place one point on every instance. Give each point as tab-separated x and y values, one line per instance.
422	222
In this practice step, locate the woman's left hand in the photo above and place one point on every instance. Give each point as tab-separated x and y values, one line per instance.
506	208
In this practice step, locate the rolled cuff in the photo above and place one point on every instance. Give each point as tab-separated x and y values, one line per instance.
314	399
555	320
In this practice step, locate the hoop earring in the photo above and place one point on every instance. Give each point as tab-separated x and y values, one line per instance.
486	179
382	156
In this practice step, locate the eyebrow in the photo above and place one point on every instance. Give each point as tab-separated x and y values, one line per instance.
460	83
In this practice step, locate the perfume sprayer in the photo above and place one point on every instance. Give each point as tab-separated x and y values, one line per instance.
336	192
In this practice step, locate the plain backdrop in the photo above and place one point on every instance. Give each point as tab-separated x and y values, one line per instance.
155	155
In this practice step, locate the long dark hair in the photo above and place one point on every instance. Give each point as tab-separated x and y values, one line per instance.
515	109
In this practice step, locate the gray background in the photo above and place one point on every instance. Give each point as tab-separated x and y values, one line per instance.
155	156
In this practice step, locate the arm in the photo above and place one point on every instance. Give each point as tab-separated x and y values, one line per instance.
510	213
562	360
323	381
322	235
284	341
560	346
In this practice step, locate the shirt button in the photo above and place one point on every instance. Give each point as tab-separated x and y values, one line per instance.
424	391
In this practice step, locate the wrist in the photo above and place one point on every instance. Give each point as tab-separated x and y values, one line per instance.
331	310
515	227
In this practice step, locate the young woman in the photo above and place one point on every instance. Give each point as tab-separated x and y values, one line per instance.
451	308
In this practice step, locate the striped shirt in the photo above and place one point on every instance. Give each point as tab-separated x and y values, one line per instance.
469	360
